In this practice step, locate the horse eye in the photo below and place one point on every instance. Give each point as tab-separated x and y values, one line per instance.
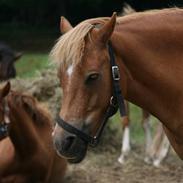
92	77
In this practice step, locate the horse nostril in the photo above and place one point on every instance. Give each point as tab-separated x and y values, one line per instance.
68	142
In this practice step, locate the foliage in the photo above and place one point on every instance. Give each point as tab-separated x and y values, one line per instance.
29	64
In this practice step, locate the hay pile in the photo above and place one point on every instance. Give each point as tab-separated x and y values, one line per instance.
45	87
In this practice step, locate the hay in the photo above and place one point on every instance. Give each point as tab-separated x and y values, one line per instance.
45	87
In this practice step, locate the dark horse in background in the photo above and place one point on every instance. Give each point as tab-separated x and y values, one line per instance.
8	57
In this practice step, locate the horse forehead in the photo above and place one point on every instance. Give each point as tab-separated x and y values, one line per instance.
70	70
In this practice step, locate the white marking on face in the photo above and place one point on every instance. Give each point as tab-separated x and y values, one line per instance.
70	70
54	130
89	119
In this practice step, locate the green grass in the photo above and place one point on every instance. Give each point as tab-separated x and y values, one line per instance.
137	132
30	63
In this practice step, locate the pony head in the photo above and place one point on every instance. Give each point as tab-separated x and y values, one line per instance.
85	77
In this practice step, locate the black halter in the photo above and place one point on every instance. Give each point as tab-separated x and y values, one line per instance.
116	101
3	130
4	125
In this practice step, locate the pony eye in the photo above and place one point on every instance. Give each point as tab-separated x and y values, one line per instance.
92	77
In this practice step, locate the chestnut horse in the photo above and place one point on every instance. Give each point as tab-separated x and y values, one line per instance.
27	155
148	51
153	153
156	149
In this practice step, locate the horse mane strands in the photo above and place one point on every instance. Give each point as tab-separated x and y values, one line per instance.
69	47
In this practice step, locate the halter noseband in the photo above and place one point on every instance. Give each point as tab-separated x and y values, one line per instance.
4	124
116	101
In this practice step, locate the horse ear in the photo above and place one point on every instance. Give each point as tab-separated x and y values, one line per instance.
17	55
65	25
5	90
104	33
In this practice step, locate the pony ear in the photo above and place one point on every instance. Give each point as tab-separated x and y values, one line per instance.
17	55
105	32
5	90
65	25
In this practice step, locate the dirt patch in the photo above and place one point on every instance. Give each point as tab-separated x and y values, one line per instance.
102	167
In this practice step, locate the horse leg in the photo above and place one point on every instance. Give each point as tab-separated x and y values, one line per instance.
148	137
163	150
160	146
125	149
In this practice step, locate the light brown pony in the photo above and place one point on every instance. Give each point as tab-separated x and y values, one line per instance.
155	149
148	49
27	154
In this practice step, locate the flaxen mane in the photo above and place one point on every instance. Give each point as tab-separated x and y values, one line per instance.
69	48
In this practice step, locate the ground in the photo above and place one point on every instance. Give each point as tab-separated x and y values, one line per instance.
102	167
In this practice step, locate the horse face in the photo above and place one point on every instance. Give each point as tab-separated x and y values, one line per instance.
86	93
7	60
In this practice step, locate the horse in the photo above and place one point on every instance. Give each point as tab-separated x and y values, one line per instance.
153	153
147	50
27	154
156	149
8	57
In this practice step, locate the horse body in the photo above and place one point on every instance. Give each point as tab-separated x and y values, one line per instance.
152	62
153	153
27	152
148	51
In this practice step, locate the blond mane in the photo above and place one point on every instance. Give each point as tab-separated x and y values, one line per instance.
69	47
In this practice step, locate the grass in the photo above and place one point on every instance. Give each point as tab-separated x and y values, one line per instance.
30	63
137	132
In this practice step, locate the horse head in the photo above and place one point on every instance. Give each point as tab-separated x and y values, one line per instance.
7	61
85	77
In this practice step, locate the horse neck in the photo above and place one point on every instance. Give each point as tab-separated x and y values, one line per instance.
149	79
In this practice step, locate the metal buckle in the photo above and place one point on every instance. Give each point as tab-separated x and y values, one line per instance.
115	73
113	102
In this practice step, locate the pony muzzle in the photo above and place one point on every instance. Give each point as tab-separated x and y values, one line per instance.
69	146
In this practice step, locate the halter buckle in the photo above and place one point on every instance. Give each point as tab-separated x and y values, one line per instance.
115	73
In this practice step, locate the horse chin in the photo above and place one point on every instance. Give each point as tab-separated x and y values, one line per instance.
76	153
76	160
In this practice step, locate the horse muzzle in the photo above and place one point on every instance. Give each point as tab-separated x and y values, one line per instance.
70	147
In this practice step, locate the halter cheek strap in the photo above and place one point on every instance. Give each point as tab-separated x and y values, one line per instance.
3	130
116	101
4	125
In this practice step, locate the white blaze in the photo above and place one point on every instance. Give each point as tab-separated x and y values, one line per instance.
70	70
